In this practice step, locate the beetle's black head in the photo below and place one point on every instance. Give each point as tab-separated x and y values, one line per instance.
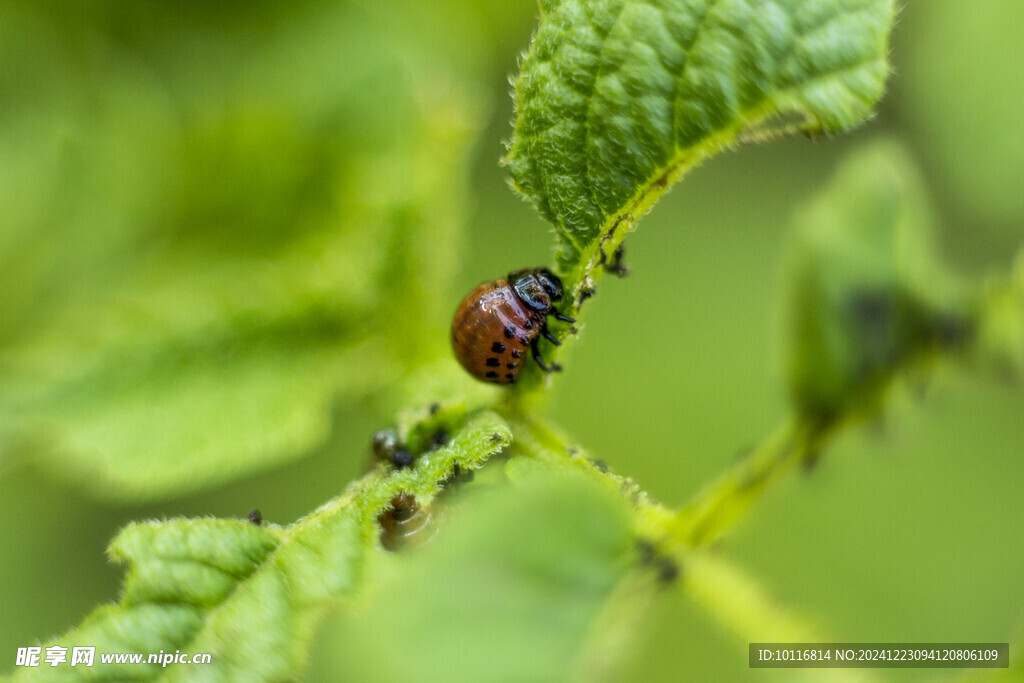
538	288
551	283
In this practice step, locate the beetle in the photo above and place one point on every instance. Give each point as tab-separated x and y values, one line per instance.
387	448
498	320
404	523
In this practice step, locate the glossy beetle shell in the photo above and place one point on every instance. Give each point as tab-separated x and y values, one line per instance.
492	331
405	523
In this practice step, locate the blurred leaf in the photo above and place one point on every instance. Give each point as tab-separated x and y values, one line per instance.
249	595
978	160
617	99
507	592
867	298
259	249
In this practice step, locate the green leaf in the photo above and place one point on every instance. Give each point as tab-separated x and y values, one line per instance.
252	596
867	298
238	256
944	52
617	99
507	591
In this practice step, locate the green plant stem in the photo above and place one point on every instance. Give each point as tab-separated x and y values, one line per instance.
538	440
744	607
714	510
722	502
737	601
741	604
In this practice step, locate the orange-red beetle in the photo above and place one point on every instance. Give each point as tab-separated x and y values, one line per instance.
495	324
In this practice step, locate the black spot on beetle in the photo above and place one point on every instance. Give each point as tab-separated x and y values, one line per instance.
492	374
498	347
492	362
510	376
511	366
509	331
528	324
524	340
517	353
255	517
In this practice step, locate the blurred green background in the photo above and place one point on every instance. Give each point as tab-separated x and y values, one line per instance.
235	127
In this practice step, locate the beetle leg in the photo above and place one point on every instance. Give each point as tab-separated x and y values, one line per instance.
550	337
554	367
563	318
